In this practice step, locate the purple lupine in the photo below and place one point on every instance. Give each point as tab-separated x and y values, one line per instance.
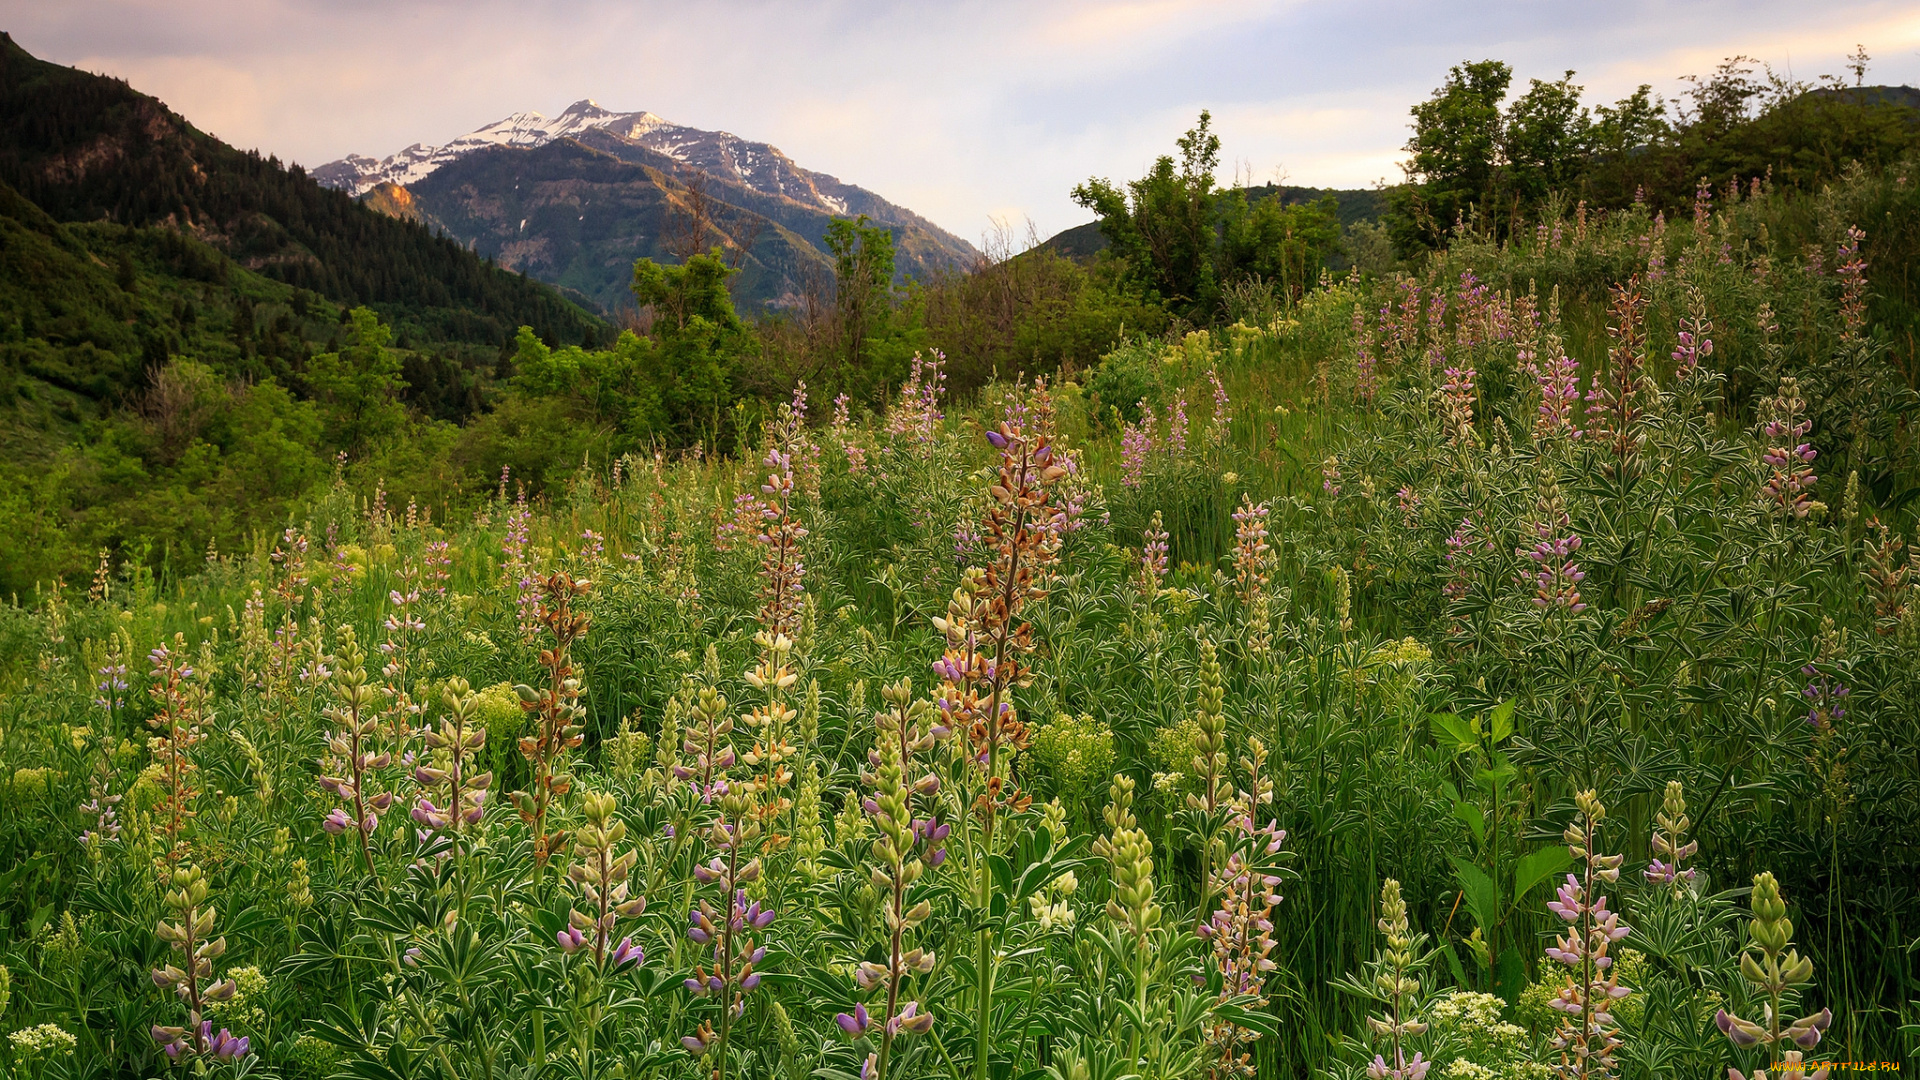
1852	272
1826	699
1587	1038
730	935
856	1023
1558	381
1220	425
1556	576
1366	381
1239	932
1457	397
1136	446
112	684
1177	425
100	807
905	848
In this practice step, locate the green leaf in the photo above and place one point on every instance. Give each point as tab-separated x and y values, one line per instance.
1476	821
1263	1022
1510	975
1449	728
1482	896
1502	721
1536	866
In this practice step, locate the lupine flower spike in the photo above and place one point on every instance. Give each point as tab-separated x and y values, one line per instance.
177	731
190	935
1788	455
907	846
1130	901
555	710
1251	570
1153	557
353	766
987	641
1773	968
732	835
1396	984
1587	1039
600	871
783	592
1671	848
443	774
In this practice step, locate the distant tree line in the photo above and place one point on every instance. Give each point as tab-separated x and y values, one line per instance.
1480	159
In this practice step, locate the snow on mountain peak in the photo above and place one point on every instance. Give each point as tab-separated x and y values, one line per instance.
358	173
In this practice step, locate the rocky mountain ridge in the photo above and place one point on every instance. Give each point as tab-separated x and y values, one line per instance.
573	199
721	155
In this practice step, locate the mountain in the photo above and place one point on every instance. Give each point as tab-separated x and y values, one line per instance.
639	176
84	147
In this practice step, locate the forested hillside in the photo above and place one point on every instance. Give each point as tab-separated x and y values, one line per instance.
84	148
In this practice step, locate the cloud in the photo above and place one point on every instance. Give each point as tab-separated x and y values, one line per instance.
963	111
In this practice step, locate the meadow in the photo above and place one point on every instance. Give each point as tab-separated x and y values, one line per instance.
1507	669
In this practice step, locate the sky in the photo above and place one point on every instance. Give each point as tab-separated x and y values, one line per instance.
970	112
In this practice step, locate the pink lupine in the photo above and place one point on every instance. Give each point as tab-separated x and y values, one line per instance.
1852	272
1556	576
439	563
1401	1069
1670	845
1558	381
1409	506
1153	556
1460	545
1790	481
1136	446
1587	1038
1221	423
1694	345
1456	404
1474	320
917	410
1366	379
1616	403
